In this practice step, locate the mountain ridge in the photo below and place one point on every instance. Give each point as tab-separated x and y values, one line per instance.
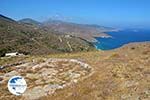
85	31
29	21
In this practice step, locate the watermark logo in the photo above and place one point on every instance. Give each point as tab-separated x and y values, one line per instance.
17	85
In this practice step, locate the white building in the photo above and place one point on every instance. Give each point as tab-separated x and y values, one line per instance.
12	54
67	36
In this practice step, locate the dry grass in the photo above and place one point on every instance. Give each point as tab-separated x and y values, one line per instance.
121	74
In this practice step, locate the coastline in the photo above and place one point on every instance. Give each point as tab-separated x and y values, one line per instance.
124	45
120	38
101	35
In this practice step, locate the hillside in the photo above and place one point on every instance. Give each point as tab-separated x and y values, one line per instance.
85	31
18	37
120	74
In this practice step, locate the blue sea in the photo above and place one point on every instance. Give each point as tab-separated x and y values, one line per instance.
119	38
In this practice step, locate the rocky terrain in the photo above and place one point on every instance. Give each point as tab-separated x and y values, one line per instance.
120	74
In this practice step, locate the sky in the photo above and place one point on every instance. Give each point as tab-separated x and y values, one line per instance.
117	13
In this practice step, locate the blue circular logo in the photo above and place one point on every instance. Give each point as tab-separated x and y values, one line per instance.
17	85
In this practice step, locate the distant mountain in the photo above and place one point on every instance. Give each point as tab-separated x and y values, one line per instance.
30	21
21	37
87	32
104	28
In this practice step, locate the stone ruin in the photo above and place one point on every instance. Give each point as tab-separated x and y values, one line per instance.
44	78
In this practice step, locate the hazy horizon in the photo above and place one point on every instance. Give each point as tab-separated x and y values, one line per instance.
114	13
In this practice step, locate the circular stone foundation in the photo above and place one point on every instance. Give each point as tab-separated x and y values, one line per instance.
45	77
